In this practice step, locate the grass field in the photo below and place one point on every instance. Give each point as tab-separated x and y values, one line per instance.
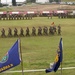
39	51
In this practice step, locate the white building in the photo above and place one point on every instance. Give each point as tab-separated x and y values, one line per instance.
10	1
42	1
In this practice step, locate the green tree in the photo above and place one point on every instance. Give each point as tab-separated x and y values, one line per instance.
57	0
54	0
50	0
30	1
33	1
1	5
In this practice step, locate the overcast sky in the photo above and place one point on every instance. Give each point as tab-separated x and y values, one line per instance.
9	1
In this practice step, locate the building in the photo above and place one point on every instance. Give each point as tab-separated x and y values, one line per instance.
10	1
42	1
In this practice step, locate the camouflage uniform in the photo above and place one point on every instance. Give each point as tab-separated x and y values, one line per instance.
27	32
51	15
33	31
15	32
51	30
9	32
39	31
54	29
45	30
21	32
59	15
59	30
3	33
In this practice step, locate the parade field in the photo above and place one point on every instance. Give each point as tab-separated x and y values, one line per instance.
39	51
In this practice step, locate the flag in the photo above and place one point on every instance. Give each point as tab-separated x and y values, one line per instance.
11	59
58	59
61	48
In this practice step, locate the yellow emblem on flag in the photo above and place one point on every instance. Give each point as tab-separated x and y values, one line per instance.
56	58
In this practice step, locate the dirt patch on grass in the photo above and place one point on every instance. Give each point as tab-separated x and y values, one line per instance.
42	7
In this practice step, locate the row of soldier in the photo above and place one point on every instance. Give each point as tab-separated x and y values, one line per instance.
15	17
40	31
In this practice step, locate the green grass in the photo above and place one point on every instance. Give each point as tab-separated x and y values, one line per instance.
5	9
39	51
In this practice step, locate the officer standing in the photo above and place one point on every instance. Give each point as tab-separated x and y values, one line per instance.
21	32
15	32
9	32
48	16
3	32
51	15
33	31
27	32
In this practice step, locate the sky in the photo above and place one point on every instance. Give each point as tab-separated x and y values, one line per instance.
9	1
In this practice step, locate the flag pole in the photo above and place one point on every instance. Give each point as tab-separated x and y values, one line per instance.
21	56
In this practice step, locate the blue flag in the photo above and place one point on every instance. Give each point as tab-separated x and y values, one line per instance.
58	59
60	48
11	59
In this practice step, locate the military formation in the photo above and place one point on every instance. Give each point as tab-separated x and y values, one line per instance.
40	31
16	16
